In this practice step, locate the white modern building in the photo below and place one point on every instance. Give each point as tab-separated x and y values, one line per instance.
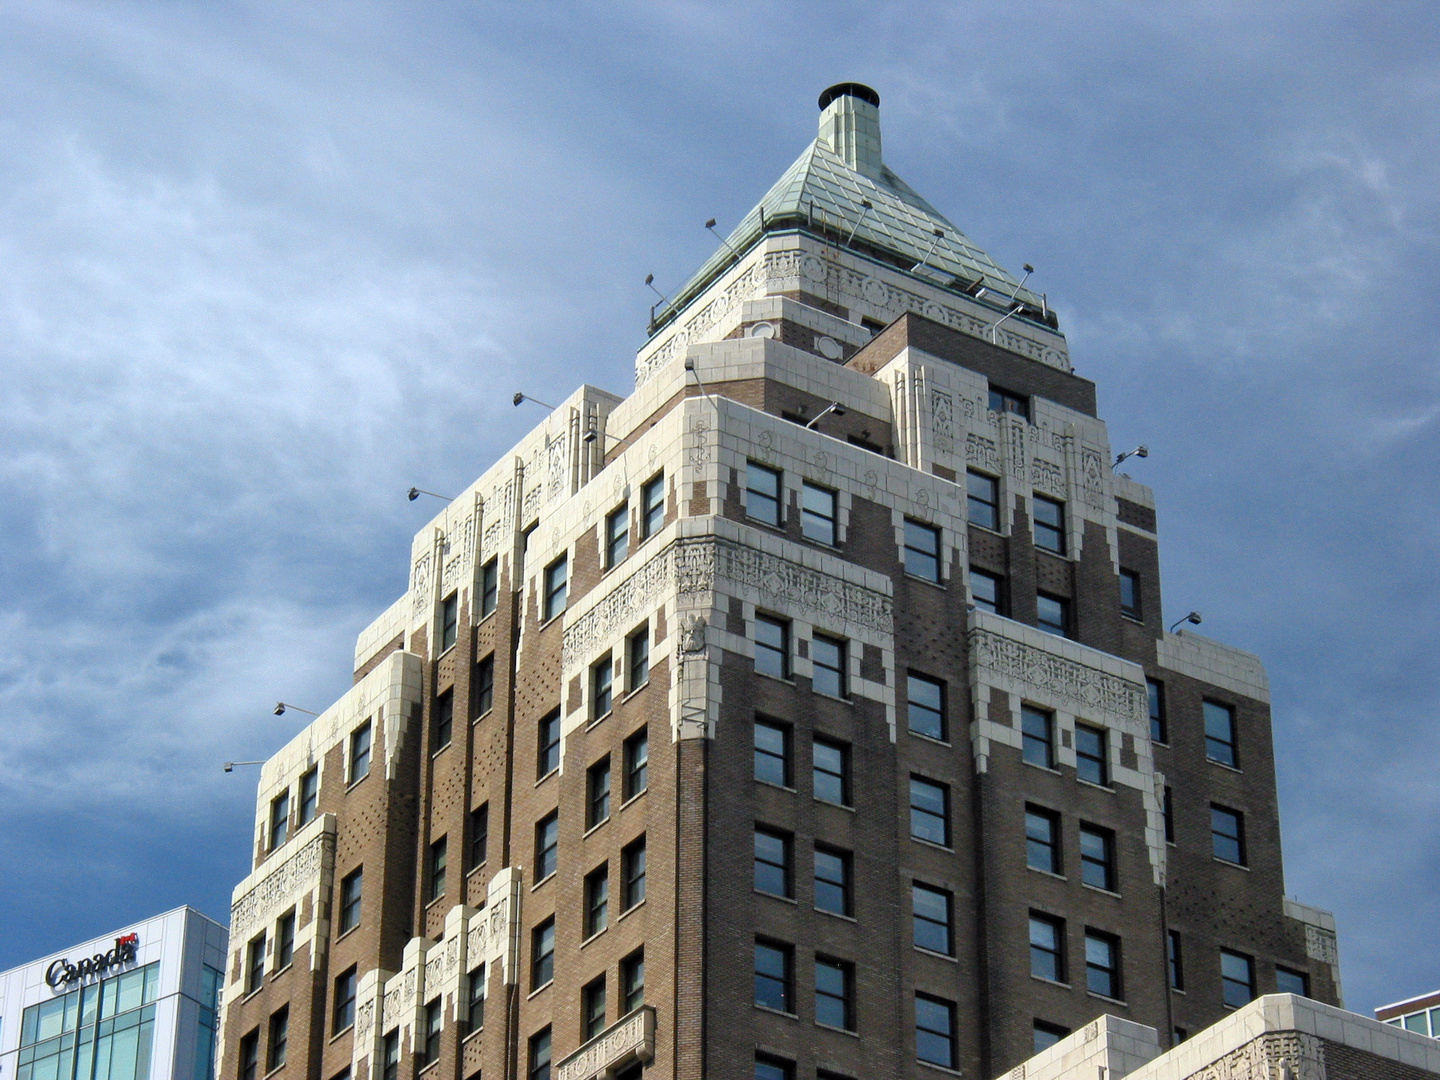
137	1004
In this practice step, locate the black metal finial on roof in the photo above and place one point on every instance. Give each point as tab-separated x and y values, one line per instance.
852	89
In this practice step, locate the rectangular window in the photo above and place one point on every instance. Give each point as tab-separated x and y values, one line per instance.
772	646
1179	1035
1007	401
592	1009
540	1055
1047	1035
391	1051
1049	525
344	1011
479	835
1097	857
602	676
772	862
637	763
1159	729
250	1056
929	812
773	1068
1130	594
360	753
279	819
1237	978
485	685
557	580
489	587
982	500
830	772
772	753
285	940
922	551
597	793
1047	947
477	998
817	514
350	889
597	900
309	797
547	845
255	964
762	493
1102	964
652	506
1227	834
1037	737
1092	755
1052	614
1294	982
774	976
834	993
444	720
542	954
637	655
1042	839
1175	959
832	880
617	536
985	591
828	657
1220	734
925	705
449	620
547	753
935	1030
632	865
931	919
632	981
434	1024
1167	812
438	857
279	1038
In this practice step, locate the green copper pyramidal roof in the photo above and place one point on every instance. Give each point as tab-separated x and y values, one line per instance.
839	187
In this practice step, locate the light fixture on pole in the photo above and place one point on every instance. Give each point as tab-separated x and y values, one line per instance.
834	407
519	397
1193	617
690	368
650	281
230	765
281	706
1139	451
939	235
1028	271
592	434
865	209
711	226
415	493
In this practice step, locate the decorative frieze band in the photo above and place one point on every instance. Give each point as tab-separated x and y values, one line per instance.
629	1040
280	888
1088	690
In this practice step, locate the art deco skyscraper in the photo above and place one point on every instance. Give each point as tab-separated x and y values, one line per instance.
806	713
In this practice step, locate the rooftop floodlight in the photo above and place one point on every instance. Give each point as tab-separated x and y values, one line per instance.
230	765
1139	451
834	407
281	706
1028	271
690	369
650	281
865	209
591	434
939	235
996	324
711	226
415	493
1193	617
519	397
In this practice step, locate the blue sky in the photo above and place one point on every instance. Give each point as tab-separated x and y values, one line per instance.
264	266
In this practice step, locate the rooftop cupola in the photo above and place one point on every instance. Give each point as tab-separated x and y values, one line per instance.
850	126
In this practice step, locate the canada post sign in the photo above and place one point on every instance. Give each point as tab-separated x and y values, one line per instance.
62	972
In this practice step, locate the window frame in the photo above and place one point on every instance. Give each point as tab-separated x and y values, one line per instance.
602	688
555	588
844	886
838	670
285	940
547	745
279	819
1055	951
941	732
1135	609
442	726
1218	749
782	627
1096	973
943	816
1029	738
1007	402
352	899
541	1055
255	962
1175	959
785	756
479	848
948	925
361	746
636	759
1052	531
309	797
637	653
1050	845
617	543
632	980
342	1010
1103	866
542	953
846	996
597	797
436	865
1052	1033
947	1035
652	509
764	864
785	980
592	993
1302	977
1098	764
484	685
1155	703
476	993
995	606
1061	628
277	1041
449	622
596	913
489	587
988	507
841	778
1227	980
1237	838
547	846
755	496
632	874
913	529
828	532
